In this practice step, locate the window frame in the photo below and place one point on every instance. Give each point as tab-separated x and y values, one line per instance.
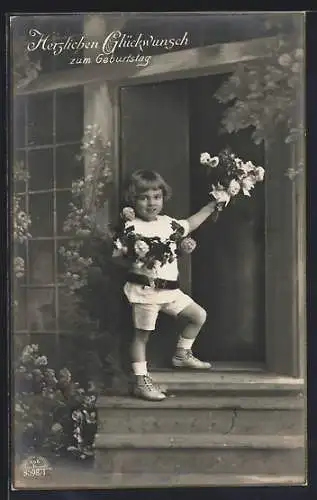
55	238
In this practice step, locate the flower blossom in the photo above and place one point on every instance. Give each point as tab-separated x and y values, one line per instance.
119	248
41	361
248	184
141	248
128	213
214	162
188	245
234	188
259	174
205	158
285	60
118	244
28	352
247	167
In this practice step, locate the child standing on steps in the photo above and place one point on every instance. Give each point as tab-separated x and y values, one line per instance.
146	193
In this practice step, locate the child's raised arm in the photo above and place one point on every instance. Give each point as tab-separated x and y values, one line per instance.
199	217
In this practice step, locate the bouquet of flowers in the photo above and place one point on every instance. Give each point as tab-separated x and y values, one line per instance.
149	252
231	176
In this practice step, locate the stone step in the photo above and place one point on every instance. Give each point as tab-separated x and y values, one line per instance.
200	454
234	415
228	383
83	479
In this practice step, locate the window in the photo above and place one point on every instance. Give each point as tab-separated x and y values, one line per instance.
48	132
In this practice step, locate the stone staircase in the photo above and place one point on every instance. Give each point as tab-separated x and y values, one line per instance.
214	429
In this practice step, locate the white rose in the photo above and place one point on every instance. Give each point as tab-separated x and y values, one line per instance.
205	158
247	185
141	248
285	60
259	174
247	167
214	161
128	213
118	245
238	162
234	188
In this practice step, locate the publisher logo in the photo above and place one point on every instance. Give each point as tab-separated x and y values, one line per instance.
35	467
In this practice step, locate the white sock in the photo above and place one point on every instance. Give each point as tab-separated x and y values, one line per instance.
139	368
184	343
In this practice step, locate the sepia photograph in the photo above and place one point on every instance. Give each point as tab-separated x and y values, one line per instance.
158	219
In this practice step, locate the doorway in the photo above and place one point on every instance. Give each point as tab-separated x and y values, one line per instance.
165	127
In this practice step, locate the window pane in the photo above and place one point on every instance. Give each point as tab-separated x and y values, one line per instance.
19	124
40	119
41	309
62	209
41	211
69	116
40	164
19	309
68	167
41	262
67	310
19	158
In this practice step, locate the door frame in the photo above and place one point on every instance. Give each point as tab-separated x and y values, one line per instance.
224	58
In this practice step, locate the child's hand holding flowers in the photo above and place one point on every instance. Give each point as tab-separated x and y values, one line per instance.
230	176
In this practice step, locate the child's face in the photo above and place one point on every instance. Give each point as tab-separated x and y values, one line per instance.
149	204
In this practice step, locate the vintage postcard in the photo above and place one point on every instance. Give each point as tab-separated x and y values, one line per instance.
158	225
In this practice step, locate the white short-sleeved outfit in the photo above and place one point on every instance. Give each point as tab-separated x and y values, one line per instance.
146	301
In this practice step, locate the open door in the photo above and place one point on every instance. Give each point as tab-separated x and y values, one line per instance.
165	127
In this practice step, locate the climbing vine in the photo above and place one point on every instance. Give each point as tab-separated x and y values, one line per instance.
267	93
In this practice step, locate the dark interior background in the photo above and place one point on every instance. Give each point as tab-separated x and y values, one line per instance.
228	263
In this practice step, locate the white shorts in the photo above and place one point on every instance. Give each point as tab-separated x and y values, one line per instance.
145	315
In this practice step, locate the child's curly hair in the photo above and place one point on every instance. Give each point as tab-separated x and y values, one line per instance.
141	181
